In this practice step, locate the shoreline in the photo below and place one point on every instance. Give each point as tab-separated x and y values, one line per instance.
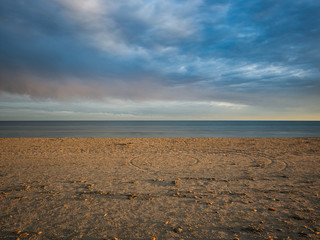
166	188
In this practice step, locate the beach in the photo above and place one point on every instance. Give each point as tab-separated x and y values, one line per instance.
160	188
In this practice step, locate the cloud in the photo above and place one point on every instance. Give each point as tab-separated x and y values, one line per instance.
24	107
233	52
14	107
132	28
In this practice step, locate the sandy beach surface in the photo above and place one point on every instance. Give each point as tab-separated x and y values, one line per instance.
160	188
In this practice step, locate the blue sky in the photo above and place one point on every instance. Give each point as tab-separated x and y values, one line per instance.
168	59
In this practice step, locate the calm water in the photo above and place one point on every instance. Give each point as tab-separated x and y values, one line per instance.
97	129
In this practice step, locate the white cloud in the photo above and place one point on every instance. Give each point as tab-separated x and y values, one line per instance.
228	105
162	19
97	26
87	8
23	107
261	70
17	107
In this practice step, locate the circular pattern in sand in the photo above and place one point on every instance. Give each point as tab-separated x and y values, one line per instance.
234	164
164	162
222	162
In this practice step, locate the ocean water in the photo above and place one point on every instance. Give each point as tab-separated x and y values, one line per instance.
143	129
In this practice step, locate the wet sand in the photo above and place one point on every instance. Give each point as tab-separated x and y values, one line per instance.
158	188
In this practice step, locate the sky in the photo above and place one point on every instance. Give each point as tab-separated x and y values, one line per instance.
160	60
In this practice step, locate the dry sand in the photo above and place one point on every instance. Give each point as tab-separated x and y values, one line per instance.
176	188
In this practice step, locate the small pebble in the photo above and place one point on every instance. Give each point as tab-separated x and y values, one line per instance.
298	217
272	209
175	182
158	180
132	196
24	234
178	229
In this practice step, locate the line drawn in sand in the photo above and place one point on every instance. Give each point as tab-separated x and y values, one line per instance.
164	162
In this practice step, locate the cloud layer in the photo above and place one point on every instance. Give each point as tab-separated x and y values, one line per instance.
253	53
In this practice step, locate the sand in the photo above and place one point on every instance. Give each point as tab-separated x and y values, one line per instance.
160	188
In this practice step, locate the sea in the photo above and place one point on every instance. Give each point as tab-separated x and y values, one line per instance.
158	129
